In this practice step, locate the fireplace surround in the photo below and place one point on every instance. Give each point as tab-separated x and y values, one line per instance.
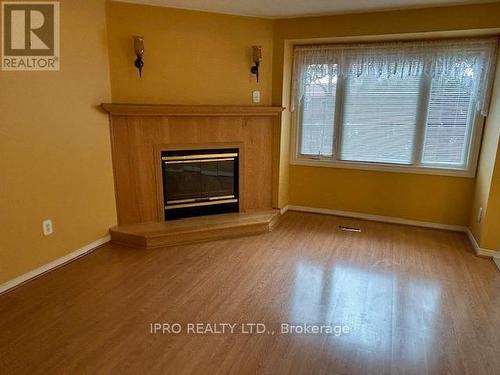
141	133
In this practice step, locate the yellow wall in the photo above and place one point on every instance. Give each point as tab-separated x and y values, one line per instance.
491	222
419	197
55	157
411	196
190	57
484	190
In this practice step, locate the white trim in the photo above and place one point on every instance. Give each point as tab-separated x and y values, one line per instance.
384	219
497	261
397	220
54	264
479	250
283	210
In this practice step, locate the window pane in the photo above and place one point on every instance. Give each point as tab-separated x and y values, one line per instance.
318	110
446	135
380	119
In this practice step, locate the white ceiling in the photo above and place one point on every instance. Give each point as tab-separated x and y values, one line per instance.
298	8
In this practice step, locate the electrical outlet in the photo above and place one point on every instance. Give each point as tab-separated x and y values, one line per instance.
480	215
47	227
256	96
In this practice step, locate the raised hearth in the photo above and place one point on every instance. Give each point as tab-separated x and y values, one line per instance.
195	229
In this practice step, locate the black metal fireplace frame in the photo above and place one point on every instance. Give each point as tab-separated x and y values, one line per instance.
202	206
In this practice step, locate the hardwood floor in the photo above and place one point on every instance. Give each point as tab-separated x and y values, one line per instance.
416	301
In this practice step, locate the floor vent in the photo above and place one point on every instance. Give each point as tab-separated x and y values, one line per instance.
349	229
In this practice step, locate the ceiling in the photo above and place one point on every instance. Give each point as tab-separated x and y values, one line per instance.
298	8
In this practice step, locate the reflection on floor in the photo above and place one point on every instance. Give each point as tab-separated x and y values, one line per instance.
364	298
415	301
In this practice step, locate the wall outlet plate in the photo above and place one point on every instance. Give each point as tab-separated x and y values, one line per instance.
47	227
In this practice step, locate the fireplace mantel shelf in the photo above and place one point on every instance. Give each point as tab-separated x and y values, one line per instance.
119	109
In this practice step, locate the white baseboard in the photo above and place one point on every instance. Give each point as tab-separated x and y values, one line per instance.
396	220
497	261
384	219
53	265
283	210
479	250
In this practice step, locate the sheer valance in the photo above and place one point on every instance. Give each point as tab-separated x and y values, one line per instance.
470	61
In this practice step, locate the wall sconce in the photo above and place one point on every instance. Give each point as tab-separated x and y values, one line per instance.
139	52
257	59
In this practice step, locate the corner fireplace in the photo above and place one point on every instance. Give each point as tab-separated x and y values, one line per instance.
200	182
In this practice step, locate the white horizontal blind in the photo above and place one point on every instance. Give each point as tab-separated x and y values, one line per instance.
448	123
379	119
318	111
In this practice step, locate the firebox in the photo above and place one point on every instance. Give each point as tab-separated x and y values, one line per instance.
200	182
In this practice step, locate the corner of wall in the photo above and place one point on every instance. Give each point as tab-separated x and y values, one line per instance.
487	188
283	87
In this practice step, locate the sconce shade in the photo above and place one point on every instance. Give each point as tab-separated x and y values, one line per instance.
257	59
257	54
139	45
139	51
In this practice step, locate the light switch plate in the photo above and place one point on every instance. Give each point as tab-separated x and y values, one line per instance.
256	96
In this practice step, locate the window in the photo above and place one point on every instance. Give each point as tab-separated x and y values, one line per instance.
409	105
449	123
318	111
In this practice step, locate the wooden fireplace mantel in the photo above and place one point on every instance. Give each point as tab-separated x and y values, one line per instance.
118	109
140	132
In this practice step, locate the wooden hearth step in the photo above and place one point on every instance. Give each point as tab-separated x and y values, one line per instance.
195	229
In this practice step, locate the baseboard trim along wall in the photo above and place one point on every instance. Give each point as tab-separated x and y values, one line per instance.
479	250
325	211
54	264
396	220
384	219
497	261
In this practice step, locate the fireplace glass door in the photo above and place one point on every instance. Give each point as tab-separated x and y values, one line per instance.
200	182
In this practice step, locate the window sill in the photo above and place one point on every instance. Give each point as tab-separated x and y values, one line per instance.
383	167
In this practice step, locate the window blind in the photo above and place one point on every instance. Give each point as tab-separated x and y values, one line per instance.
448	123
379	119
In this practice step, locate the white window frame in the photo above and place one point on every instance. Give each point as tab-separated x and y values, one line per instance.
467	170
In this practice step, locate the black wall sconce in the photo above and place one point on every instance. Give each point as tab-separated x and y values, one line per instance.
139	52
257	59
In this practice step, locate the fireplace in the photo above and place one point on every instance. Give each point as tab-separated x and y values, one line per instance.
200	182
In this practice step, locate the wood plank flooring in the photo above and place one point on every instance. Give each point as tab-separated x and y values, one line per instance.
416	301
